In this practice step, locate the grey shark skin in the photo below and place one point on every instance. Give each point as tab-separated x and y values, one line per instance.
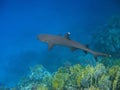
64	41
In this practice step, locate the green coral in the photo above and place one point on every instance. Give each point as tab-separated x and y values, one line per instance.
114	72
104	82
88	77
93	88
117	62
42	87
116	81
75	77
59	79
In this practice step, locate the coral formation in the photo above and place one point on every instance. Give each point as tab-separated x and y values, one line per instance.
74	77
38	79
108	39
92	76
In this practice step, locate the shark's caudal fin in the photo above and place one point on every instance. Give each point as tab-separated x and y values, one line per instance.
96	55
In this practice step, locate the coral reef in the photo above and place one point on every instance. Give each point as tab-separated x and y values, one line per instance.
38	79
75	77
107	39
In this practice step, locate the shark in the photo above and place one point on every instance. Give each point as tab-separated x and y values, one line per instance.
53	40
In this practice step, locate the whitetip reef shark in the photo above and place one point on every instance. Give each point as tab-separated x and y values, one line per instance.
53	40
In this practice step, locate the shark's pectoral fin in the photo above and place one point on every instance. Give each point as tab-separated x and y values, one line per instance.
50	46
85	52
96	58
87	46
73	49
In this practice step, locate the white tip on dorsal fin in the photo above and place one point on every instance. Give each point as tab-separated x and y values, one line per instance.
67	35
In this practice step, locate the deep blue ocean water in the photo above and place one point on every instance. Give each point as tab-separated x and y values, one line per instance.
22	20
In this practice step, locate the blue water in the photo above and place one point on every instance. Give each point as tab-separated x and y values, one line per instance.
22	20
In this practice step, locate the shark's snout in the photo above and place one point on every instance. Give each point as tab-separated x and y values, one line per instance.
42	38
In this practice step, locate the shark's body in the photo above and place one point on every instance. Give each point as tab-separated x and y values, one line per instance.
65	41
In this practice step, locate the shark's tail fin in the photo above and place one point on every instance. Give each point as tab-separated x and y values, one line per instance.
97	54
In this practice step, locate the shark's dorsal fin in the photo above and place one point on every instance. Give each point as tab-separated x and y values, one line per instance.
50	46
67	35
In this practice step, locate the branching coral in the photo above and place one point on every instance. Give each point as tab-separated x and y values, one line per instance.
59	80
114	72
37	78
76	77
41	87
